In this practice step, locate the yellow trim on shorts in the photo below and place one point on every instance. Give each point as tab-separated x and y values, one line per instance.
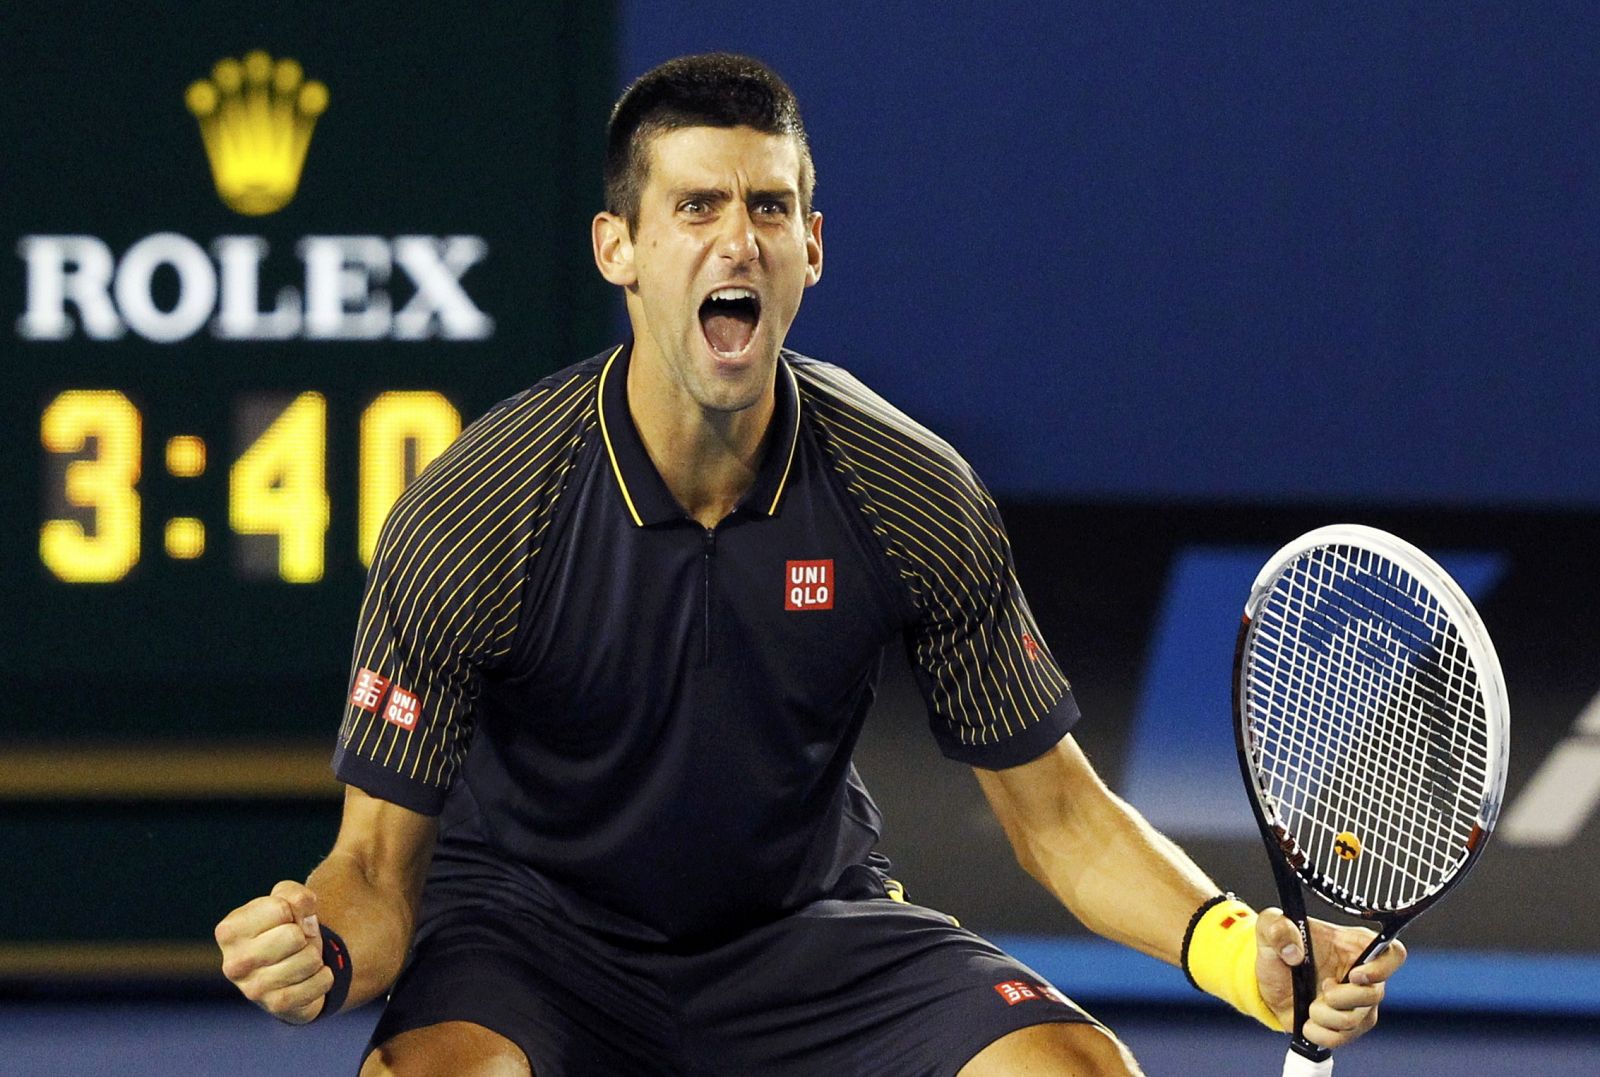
896	891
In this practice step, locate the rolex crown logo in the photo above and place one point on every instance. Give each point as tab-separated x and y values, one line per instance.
256	117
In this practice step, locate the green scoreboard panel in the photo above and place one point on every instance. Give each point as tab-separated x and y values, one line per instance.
264	264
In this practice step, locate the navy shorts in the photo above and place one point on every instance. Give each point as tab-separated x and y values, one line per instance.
843	986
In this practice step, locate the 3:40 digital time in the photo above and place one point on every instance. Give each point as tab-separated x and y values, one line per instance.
277	486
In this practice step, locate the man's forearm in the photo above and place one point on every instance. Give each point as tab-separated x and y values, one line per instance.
374	917
1130	884
1110	868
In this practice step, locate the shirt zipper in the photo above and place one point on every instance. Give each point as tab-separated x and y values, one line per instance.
708	546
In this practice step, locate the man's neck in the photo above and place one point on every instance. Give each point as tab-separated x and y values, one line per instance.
708	459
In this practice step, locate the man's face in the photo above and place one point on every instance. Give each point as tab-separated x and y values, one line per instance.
720	258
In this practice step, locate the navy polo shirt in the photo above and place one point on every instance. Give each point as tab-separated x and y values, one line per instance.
650	721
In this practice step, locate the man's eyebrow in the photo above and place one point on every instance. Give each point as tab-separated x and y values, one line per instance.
722	194
704	194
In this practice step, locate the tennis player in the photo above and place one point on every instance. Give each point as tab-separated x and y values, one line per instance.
613	657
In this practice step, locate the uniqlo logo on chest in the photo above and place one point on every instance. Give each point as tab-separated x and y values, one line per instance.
403	708
808	585
368	690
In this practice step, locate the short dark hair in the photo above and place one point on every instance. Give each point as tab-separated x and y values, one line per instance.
717	89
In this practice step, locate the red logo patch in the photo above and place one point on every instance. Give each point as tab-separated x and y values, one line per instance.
1030	645
368	690
403	708
808	585
1015	991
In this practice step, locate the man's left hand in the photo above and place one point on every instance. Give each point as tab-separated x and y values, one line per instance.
1342	1010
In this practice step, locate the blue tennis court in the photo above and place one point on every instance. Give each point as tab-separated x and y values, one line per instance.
225	1038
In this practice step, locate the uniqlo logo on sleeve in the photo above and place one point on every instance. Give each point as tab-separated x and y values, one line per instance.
808	585
403	708
368	691
1015	991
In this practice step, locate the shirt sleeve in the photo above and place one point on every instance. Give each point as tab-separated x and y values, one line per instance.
996	696
440	606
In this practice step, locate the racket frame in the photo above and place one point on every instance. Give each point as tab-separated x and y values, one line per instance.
1289	866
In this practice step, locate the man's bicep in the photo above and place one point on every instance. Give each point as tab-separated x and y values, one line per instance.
390	843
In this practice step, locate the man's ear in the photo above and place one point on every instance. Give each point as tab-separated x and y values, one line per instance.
613	249
813	249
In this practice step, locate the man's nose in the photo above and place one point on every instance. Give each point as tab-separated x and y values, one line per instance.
737	243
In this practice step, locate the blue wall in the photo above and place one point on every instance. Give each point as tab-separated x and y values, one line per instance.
1302	252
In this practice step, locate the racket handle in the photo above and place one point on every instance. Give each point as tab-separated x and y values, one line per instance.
1297	1065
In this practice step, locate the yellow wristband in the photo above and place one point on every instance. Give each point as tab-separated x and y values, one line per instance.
1220	958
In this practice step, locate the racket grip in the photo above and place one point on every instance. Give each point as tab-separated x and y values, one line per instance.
1297	1065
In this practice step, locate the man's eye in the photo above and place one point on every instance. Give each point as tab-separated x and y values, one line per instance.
694	207
771	208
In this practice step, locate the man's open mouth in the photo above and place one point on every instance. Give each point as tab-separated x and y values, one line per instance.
728	318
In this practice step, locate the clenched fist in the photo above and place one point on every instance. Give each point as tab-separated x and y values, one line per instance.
272	951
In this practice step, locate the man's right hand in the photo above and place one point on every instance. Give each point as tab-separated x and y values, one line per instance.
272	951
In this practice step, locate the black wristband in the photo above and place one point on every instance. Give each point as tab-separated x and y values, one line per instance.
335	955
1188	935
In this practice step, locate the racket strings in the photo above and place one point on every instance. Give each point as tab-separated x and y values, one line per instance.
1338	778
1303	778
1336	787
1366	721
1355	771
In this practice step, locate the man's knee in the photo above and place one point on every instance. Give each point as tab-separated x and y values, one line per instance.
1054	1050
449	1049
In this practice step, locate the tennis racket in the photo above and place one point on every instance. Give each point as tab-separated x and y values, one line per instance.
1372	729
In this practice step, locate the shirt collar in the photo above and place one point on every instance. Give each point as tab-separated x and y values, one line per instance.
643	490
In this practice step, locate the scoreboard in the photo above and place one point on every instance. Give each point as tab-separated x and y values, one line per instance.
260	269
238	331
